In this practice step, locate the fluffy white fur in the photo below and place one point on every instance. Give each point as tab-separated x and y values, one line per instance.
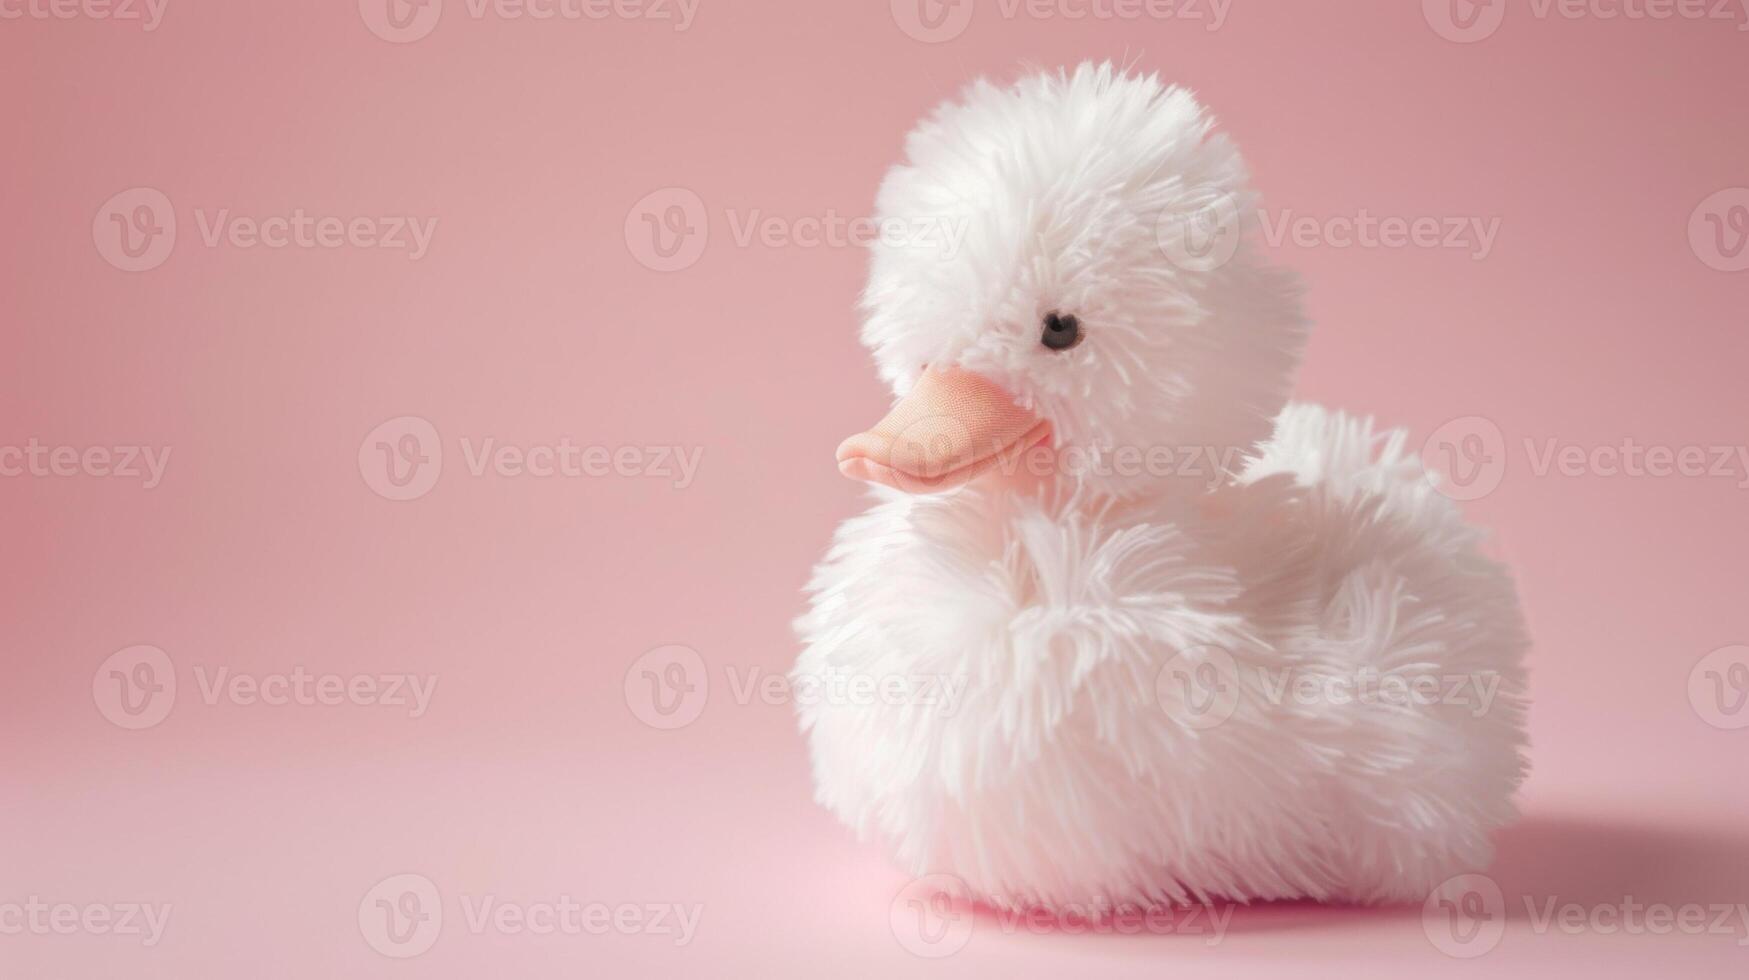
1070	771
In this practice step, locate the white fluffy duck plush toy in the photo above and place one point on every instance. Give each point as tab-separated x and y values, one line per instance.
1123	628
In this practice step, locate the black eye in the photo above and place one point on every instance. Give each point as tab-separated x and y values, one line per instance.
1061	332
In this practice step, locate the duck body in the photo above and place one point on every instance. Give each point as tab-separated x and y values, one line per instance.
1181	698
1285	671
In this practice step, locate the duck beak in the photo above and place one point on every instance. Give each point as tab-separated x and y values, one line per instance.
953	426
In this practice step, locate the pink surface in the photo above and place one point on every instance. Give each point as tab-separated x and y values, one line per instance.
566	162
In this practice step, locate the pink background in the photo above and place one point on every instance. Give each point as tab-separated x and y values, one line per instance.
532	319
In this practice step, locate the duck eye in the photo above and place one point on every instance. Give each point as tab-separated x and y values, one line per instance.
1061	332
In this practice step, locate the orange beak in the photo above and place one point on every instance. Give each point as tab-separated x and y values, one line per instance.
953	426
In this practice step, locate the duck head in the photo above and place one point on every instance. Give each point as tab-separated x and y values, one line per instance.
1063	286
